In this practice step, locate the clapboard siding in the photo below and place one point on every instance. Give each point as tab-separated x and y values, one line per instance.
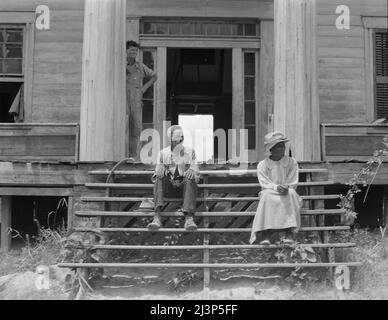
262	9
341	60
58	65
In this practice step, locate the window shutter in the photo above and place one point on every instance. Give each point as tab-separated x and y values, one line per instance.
381	72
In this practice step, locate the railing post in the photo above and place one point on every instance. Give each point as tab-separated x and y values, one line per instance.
206	252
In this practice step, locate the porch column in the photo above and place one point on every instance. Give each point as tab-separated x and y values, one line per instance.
296	107
102	123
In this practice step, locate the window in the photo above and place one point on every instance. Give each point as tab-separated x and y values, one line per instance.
381	74
148	58
245	29
11	51
250	74
11	72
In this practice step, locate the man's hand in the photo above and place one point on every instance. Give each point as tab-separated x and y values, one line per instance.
282	189
189	174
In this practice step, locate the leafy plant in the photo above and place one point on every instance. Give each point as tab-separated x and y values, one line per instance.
365	178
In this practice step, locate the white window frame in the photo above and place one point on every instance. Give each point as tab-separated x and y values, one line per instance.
371	25
26	20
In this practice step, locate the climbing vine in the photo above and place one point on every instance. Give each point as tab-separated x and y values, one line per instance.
364	178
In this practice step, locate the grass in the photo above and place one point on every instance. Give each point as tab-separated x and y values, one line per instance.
369	281
45	249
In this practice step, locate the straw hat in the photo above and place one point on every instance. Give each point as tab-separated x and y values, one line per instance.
273	138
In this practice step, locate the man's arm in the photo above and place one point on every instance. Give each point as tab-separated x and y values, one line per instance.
193	170
148	74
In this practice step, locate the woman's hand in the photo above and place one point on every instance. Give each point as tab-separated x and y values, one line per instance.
282	189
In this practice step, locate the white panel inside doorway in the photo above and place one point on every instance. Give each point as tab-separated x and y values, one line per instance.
198	132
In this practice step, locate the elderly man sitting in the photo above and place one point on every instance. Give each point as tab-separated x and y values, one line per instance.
176	175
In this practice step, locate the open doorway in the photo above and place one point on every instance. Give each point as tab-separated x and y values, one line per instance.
199	89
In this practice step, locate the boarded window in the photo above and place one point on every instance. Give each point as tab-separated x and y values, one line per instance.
381	74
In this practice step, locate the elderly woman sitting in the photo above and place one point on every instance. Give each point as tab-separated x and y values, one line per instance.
279	205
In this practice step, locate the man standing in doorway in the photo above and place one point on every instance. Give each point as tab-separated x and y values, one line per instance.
136	72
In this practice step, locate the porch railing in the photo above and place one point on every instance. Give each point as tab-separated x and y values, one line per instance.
39	141
351	141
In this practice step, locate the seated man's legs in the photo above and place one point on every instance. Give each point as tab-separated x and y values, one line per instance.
161	187
189	203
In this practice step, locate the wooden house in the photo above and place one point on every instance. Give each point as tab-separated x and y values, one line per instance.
259	65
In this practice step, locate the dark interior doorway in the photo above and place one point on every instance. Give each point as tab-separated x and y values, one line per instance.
29	213
8	91
199	82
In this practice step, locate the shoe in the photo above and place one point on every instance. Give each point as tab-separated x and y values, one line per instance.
155	224
190	224
265	242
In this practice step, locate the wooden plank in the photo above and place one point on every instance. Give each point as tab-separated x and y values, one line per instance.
36	191
222	173
210	199
210	265
200	214
200	230
201	185
219	246
6	223
70	212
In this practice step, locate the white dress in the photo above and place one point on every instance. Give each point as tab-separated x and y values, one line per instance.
276	211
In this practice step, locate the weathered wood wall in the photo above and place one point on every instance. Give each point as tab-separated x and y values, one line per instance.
57	66
341	60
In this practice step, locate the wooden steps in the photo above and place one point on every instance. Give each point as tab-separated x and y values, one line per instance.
236	201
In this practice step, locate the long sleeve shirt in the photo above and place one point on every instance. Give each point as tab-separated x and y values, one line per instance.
273	173
180	159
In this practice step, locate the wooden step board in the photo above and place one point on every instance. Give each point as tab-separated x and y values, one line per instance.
220	246
209	265
200	185
204	230
208	199
198	214
210	173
